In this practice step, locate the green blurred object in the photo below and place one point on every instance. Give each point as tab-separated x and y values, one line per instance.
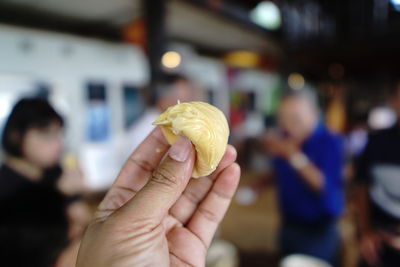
271	99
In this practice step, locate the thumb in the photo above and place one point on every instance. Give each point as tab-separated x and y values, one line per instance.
166	184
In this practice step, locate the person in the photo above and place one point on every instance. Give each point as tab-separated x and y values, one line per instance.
378	194
153	215
35	197
307	161
171	89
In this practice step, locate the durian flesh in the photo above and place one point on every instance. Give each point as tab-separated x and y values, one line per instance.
205	126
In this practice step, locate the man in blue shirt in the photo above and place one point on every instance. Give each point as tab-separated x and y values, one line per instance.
308	162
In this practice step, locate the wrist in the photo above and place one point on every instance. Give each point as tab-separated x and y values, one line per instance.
289	154
298	160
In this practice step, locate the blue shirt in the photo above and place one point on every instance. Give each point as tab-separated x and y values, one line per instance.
298	202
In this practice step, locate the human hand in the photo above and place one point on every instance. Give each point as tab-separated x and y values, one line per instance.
369	248
279	146
154	215
79	216
391	239
71	182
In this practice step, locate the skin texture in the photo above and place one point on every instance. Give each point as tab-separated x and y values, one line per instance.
154	215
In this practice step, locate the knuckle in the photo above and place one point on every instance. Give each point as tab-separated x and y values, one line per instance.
209	215
165	177
143	164
192	196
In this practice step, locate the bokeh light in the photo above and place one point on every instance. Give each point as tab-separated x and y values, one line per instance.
267	15
296	81
381	117
171	59
396	4
243	59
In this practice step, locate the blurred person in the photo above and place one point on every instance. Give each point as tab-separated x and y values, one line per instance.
154	214
357	139
378	194
37	201
308	161
174	87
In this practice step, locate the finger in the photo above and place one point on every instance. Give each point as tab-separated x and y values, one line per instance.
212	209
143	161
197	189
185	248
165	186
135	172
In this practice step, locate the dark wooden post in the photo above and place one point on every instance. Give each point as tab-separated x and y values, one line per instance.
154	12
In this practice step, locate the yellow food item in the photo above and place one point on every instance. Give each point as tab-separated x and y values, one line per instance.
204	125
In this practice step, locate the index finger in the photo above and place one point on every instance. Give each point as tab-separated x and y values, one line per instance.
135	173
143	161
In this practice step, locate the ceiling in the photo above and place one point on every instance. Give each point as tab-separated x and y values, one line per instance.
114	11
191	23
314	34
185	21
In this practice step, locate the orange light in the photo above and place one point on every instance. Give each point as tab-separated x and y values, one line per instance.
171	59
242	59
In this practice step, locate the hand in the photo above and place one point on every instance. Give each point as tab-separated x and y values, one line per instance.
278	146
153	215
390	239
67	257
71	182
79	216
369	248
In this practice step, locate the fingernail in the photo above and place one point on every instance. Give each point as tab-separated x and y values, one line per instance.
180	150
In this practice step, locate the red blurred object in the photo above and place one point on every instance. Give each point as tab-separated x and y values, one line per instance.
135	32
237	116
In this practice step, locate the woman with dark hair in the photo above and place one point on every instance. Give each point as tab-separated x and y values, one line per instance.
33	218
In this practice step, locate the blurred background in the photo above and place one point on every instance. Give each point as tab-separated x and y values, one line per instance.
110	67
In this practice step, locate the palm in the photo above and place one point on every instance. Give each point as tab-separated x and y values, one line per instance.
178	245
